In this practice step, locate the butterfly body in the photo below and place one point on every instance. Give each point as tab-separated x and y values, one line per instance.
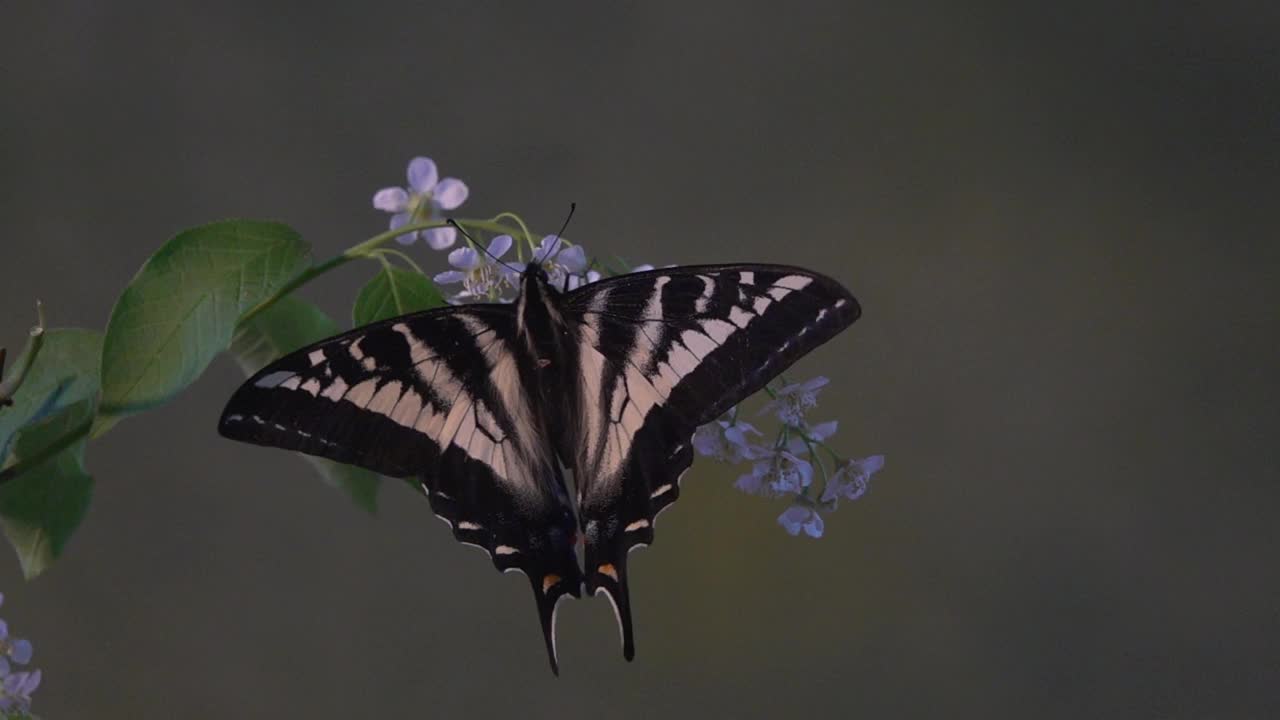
487	405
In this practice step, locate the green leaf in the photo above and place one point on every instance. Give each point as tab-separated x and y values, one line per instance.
42	507
394	292
182	307
65	372
287	325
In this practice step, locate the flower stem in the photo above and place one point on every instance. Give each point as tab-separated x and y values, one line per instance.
361	250
383	253
53	448
34	342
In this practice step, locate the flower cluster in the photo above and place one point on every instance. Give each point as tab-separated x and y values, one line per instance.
15	687
483	272
784	468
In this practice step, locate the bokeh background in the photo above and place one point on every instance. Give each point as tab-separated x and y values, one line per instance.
1060	219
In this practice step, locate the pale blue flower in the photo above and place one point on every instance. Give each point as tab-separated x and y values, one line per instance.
15	649
793	401
782	473
851	480
15	692
559	260
727	441
480	274
425	198
801	517
577	281
815	433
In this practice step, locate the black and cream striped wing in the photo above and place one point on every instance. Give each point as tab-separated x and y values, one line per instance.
663	352
437	396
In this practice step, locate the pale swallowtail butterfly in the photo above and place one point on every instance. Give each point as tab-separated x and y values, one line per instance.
487	405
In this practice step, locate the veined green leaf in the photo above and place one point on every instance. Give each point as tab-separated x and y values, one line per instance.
182	307
393	292
42	507
64	373
284	327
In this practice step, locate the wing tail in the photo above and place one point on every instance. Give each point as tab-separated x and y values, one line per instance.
540	545
608	575
549	591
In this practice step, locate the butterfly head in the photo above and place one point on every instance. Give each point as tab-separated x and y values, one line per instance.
534	272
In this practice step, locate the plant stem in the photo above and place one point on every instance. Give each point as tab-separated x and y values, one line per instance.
359	251
28	358
53	448
362	250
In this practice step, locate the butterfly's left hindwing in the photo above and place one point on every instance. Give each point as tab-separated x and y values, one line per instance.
663	352
437	396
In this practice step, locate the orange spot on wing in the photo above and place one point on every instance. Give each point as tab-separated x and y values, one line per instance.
608	569
548	582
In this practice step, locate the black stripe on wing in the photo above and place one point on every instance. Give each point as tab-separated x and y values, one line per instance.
437	396
676	348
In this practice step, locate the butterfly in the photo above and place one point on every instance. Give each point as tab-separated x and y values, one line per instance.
486	406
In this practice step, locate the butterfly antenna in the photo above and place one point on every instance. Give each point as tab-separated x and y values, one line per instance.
558	245
483	249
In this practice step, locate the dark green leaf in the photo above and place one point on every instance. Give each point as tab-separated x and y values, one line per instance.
182	307
65	372
394	292
284	327
42	507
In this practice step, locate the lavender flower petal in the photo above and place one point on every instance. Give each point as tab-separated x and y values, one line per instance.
464	258
573	259
797	518
398	221
20	651
422	174
500	245
440	238
391	199
450	193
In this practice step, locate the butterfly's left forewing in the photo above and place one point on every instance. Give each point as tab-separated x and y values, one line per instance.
661	353
437	396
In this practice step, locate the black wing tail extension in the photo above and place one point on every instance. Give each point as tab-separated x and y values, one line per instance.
620	524
538	542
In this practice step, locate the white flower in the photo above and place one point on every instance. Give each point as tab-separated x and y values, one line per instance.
815	433
727	441
480	274
851	480
424	199
577	281
782	473
798	517
793	401
559	260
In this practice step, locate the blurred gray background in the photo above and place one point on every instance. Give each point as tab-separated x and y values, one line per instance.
1060	221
